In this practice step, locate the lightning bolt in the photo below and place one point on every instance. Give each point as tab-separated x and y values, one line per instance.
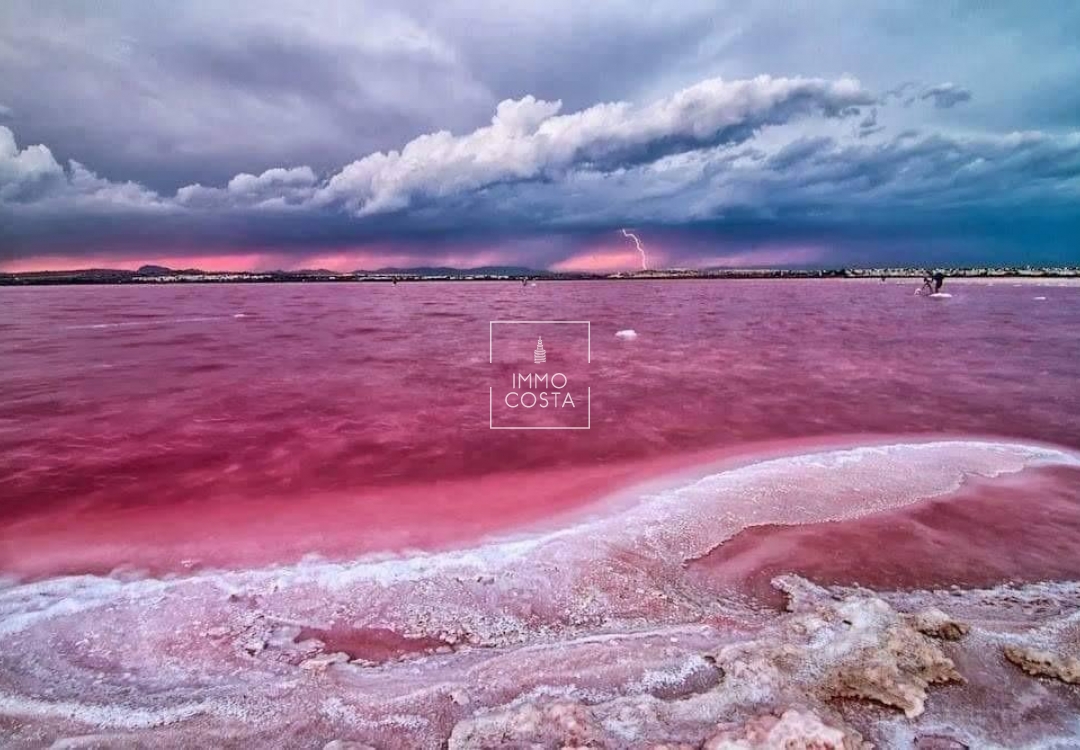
640	249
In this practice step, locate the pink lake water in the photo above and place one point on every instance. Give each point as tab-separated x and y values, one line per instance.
186	471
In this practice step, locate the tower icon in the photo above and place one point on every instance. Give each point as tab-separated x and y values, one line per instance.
539	355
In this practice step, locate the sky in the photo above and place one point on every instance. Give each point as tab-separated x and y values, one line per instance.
359	135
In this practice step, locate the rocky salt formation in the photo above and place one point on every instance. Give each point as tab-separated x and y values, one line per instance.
772	691
935	623
1042	663
554	725
1050	651
837	671
855	647
794	729
567	726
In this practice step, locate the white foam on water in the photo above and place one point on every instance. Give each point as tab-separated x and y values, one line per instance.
151	323
627	335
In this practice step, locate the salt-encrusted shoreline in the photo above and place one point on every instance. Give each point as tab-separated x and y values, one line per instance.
593	635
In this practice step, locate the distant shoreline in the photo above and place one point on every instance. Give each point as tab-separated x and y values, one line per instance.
168	276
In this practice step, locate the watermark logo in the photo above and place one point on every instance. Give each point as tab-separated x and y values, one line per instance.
537	385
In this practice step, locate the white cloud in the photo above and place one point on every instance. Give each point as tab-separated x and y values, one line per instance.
87	190
528	139
819	179
274	188
25	174
271	179
32	177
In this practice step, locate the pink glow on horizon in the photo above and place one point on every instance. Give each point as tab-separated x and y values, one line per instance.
390	257
228	262
340	260
607	259
613	257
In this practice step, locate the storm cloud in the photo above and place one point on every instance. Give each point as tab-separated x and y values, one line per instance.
305	131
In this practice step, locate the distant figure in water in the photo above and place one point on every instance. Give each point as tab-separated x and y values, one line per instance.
939	279
932	283
525	281
394	280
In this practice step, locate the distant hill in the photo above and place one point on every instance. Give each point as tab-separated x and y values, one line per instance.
449	271
154	271
150	270
310	272
86	274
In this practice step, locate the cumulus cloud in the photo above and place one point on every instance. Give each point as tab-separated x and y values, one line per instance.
25	174
31	177
271	180
86	190
529	140
277	188
946	95
820	181
207	91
